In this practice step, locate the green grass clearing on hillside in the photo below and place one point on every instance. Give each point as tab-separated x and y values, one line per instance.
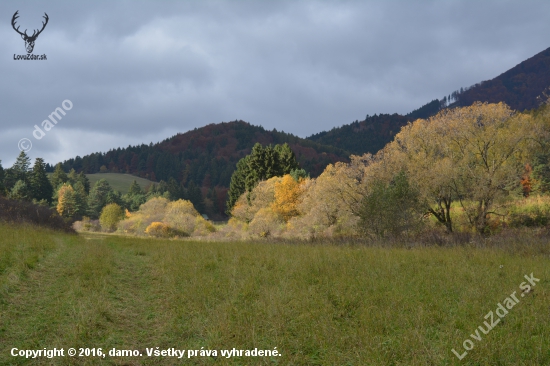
119	182
319	305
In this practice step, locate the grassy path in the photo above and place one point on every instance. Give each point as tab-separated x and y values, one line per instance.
84	293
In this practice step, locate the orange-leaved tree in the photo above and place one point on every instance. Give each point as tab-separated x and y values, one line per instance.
287	197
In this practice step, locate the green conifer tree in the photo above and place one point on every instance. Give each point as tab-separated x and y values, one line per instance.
81	199
82	178
99	196
58	177
41	187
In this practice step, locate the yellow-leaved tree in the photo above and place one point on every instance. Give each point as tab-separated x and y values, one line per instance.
111	216
66	201
287	196
330	203
474	155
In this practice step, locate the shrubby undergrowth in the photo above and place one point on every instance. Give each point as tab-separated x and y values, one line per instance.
17	211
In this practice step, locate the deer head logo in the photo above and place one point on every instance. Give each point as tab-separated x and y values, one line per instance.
29	40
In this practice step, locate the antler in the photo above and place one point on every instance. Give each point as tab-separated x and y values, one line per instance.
44	23
15	16
43	26
35	34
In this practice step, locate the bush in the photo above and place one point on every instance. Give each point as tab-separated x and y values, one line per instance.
111	216
87	225
160	230
15	211
162	218
390	209
530	212
265	223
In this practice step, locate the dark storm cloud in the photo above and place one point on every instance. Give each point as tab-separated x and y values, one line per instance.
140	71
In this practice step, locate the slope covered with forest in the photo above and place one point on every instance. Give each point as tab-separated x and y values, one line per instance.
369	135
206	156
523	87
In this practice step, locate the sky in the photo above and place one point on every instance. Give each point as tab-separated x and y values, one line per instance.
132	72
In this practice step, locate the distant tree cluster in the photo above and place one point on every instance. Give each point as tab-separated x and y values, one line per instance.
72	197
261	164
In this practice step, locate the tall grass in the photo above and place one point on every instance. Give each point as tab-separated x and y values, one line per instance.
318	304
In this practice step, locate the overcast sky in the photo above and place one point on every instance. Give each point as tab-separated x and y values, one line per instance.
141	71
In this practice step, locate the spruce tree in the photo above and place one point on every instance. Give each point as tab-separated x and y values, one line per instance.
72	177
98	198
20	191
134	189
287	159
21	168
238	183
81	199
41	187
58	177
82	178
195	196
261	164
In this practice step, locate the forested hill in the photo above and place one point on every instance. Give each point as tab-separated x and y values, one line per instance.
523	87
360	137
519	87
206	156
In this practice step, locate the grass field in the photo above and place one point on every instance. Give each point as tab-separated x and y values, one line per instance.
319	305
119	182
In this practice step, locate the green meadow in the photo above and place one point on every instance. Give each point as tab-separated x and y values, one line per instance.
318	304
119	182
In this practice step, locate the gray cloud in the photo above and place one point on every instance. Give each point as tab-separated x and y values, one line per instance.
142	71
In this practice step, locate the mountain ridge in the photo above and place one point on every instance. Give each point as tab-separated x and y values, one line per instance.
523	87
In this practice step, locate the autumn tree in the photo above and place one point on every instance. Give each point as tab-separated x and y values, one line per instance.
110	216
329	204
261	196
474	155
287	197
66	202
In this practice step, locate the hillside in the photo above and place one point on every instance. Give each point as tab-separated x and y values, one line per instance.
119	182
205	157
522	88
369	135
